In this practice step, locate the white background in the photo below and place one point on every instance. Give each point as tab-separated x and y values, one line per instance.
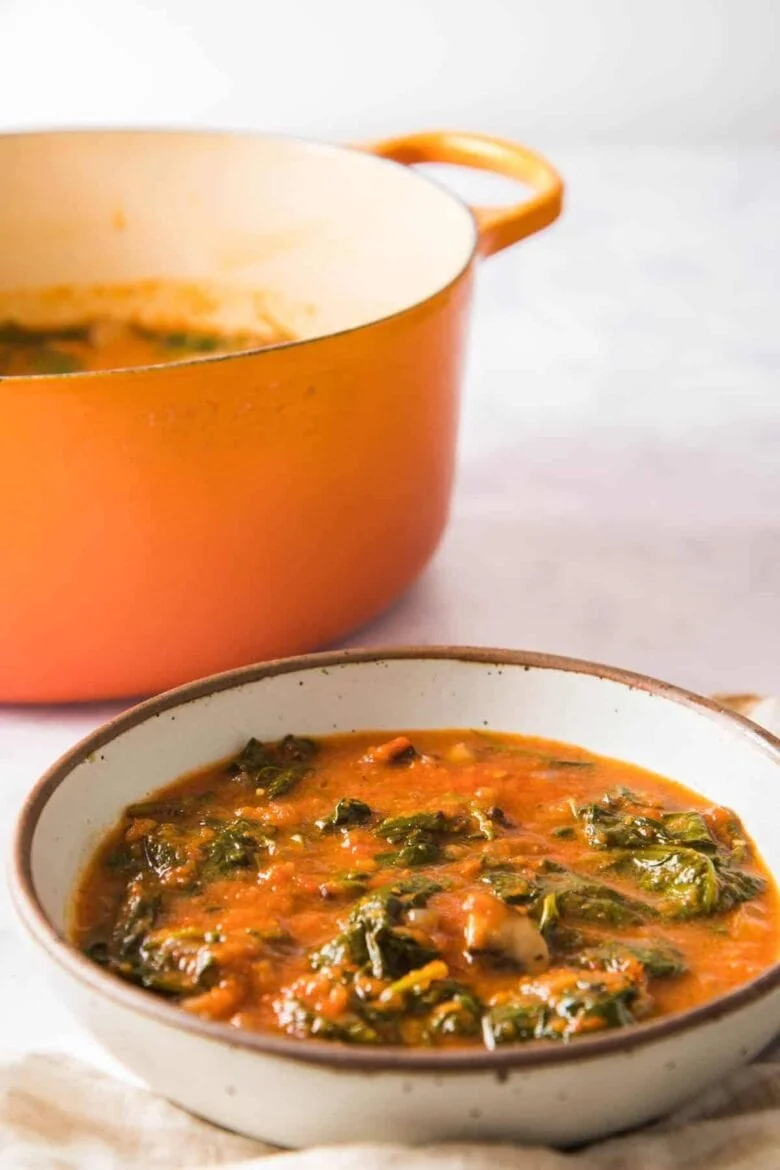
551	71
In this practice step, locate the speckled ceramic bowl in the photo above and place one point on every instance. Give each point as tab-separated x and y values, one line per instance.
303	1092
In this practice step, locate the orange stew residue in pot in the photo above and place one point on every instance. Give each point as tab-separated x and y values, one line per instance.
440	887
110	344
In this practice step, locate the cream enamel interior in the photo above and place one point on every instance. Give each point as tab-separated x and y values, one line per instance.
315	238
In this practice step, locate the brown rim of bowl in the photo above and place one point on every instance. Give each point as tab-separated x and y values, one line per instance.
337	1056
294	342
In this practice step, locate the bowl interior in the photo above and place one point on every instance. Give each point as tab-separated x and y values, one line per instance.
331	238
644	724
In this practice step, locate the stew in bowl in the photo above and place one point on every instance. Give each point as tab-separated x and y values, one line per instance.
435	888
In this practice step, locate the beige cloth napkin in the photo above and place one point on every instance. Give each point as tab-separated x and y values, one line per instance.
57	1114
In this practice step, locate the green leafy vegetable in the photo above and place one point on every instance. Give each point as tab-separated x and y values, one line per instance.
48	359
448	1008
398	829
584	898
177	962
170	808
135	918
376	939
420	849
409	893
188	342
671	854
498	747
554	892
274	768
458	1013
423	835
344	884
11	334
514	888
41	348
237	845
348	811
420	836
689	882
688	828
608	825
165	848
374	1014
390	949
301	1021
557	1008
659	958
274	938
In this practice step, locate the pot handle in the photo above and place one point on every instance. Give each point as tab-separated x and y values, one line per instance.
498	227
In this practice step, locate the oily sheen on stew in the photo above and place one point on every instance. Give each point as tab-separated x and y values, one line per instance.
429	888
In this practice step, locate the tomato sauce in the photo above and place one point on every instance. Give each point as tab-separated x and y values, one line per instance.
430	887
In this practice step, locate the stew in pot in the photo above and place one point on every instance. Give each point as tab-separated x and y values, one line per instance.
108	344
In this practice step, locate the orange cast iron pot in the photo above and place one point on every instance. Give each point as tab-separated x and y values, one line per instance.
165	522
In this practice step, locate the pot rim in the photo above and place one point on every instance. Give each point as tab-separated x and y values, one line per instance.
343	1057
292	343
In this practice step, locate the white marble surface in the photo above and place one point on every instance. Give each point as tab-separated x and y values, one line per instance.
619	488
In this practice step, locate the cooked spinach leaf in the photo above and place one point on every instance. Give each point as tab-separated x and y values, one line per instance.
135	917
301	1021
554	892
344	884
274	768
659	958
447	1006
458	1013
515	888
564	832
169	808
348	811
558	1008
423	835
12	334
398	829
586	899
49	359
420	835
165	848
424	997
499	747
186	341
688	828
376	938
689	882
177	962
236	845
419	849
609	824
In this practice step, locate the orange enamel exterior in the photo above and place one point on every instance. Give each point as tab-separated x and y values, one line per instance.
164	523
